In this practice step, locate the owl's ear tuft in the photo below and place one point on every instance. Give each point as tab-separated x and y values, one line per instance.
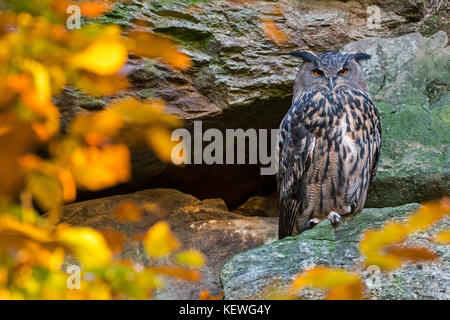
305	55
360	56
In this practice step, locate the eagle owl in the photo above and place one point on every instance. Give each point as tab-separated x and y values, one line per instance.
328	144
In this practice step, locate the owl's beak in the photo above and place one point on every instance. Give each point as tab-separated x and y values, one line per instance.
331	82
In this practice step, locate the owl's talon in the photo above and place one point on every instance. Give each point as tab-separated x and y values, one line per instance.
334	218
312	222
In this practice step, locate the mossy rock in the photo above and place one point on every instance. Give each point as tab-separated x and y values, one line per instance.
250	274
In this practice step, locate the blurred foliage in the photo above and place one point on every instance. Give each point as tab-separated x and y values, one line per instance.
386	248
39	57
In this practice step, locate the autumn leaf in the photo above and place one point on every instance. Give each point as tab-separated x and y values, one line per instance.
102	123
380	247
97	85
273	32
428	214
178	272
46	190
98	168
14	143
127	211
153	46
68	184
114	239
159	139
190	258
205	295
338	283
160	241
103	57
14	232
412	254
88	246
442	237
144	113
94	9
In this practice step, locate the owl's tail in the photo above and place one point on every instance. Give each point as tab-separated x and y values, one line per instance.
289	209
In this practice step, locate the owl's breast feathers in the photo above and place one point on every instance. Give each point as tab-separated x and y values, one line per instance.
328	147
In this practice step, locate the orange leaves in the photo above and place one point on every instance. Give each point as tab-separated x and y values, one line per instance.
190	258
206	295
412	253
381	247
127	211
442	237
68	184
93	9
115	240
272	32
339	284
429	214
178	272
153	46
98	168
160	241
103	57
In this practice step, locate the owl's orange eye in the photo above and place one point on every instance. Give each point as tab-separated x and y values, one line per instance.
343	72
318	72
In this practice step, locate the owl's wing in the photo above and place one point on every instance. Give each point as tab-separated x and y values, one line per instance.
377	141
295	145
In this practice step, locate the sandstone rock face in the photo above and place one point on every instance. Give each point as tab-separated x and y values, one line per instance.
240	79
204	225
248	274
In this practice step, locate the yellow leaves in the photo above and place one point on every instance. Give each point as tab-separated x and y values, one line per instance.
103	124
127	211
38	59
272	32
339	284
104	57
159	138
150	118
15	141
38	99
178	272
429	214
97	85
159	240
98	168
442	237
68	184
190	258
13	232
153	46
380	247
88	245
45	189
144	113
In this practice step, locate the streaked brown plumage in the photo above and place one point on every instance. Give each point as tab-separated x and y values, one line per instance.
329	143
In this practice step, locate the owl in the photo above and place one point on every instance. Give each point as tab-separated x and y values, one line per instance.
328	143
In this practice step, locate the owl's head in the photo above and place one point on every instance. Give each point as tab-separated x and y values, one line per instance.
330	70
